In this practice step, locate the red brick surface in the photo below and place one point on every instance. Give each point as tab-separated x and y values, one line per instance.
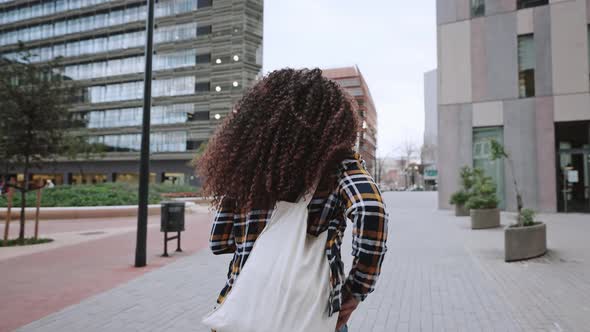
36	285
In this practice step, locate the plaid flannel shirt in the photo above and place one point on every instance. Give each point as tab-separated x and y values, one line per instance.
356	198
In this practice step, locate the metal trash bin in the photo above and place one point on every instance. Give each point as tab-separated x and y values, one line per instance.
172	220
172	217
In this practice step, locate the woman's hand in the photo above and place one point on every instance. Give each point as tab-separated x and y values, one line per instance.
349	304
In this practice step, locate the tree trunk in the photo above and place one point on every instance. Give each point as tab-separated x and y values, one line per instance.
519	204
23	203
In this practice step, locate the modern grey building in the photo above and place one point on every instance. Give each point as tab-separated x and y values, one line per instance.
516	71
428	154
207	52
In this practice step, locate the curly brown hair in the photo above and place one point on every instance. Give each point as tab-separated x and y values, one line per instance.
288	131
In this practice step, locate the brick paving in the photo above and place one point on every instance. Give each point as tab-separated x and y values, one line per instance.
438	276
87	258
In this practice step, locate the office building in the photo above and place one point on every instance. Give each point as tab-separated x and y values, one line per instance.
428	155
516	71
207	52
352	80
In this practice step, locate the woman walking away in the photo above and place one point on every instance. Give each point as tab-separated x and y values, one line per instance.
284	175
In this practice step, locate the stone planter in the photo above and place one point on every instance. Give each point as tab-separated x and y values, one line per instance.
525	242
485	218
461	210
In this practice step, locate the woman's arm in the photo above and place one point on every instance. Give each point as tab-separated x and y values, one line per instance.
365	208
221	240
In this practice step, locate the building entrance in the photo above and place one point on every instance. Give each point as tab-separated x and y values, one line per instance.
573	168
482	150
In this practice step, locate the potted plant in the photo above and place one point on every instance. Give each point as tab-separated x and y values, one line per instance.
527	238
483	203
459	198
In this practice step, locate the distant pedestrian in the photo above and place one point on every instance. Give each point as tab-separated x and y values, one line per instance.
49	184
285	178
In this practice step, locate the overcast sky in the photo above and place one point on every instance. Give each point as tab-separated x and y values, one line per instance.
393	43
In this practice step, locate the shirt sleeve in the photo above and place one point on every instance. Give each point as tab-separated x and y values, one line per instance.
365	208
221	240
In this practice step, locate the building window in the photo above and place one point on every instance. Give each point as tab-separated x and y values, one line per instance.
201	113
174	141
174	33
481	152
193	144
521	4
204	3
132	65
349	82
526	66
203	30
478	8
202	87
73	25
132	177
203	58
87	178
199	116
355	92
134	90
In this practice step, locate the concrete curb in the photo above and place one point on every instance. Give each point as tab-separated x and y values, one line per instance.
86	212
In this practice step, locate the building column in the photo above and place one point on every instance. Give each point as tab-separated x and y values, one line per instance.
67	177
455	139
546	155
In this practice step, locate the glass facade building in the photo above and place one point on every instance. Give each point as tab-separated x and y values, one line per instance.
207	52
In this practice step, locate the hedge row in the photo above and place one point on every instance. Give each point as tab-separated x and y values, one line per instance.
106	194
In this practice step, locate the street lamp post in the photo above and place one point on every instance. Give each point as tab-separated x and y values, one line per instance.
144	165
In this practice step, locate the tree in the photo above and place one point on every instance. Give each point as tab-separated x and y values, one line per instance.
198	153
408	151
34	103
379	163
483	192
498	152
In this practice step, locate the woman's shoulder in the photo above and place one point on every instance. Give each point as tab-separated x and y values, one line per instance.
353	161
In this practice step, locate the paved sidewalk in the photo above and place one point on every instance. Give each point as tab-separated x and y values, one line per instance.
75	231
87	258
438	276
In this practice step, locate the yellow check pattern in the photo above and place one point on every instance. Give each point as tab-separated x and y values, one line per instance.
356	198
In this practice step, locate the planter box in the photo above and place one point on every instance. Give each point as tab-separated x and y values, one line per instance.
525	242
485	218
461	211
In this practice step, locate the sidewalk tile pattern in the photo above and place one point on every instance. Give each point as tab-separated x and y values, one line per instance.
439	275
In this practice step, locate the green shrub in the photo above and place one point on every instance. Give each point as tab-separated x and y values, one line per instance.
104	194
483	193
527	217
459	198
467	180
